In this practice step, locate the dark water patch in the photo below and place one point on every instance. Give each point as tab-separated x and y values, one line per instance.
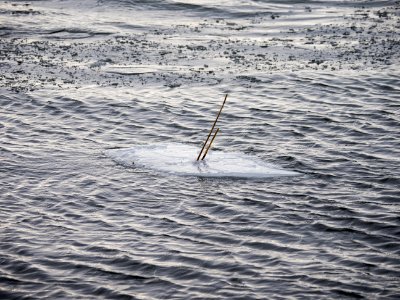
73	33
24	270
14	295
349	294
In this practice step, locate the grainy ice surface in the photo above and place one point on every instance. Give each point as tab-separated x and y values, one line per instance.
103	104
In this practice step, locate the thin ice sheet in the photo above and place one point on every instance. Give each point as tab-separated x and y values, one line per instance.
180	159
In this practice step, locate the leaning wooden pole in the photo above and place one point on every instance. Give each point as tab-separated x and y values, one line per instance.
212	128
209	146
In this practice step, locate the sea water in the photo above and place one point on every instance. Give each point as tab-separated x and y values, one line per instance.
104	106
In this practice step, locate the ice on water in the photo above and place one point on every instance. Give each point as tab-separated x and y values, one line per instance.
180	159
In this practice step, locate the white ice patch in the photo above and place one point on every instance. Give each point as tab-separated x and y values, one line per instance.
180	159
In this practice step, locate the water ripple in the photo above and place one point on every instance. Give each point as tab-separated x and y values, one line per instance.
77	225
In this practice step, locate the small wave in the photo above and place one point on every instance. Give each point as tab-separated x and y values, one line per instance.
164	5
179	159
73	33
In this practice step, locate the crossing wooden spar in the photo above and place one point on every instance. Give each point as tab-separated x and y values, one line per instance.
211	131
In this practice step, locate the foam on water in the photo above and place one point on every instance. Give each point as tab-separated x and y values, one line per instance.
179	159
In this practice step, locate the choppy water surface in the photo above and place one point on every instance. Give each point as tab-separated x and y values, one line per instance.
92	97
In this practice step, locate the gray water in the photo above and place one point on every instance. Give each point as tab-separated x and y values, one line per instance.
313	88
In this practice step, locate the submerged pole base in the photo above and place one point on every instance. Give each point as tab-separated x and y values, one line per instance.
209	146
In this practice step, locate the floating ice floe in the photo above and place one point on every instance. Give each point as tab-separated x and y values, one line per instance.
180	159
